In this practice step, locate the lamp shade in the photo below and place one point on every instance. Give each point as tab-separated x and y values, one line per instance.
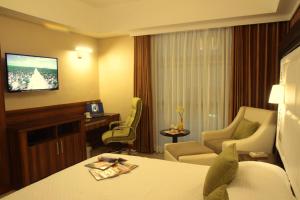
277	94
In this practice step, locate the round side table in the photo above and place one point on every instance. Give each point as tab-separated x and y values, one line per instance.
174	136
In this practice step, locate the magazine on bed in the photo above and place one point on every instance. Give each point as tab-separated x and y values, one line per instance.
107	167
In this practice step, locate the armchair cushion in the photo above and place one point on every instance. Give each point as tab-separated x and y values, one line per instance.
222	171
219	193
215	144
187	148
245	129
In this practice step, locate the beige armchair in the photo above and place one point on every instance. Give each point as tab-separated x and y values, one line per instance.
213	142
261	140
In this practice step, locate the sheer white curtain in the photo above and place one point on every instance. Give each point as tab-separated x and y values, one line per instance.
191	69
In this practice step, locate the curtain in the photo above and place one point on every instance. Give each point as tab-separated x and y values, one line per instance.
4	157
295	18
256	64
191	70
143	89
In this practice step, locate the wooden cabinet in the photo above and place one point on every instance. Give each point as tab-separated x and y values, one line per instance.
44	147
70	150
43	160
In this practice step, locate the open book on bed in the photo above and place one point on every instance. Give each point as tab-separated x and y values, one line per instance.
108	167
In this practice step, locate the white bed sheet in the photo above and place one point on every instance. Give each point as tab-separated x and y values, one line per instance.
154	180
260	181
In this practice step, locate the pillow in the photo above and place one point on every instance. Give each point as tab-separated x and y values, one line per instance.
220	193
222	171
245	129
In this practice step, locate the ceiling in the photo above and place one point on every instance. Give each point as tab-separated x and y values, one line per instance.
107	18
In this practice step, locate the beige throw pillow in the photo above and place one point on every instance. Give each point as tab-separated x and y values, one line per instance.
245	129
222	171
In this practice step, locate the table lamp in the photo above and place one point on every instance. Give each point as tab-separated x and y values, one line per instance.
277	94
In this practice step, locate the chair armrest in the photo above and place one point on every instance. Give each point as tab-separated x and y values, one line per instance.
262	140
121	128
114	123
223	133
218	134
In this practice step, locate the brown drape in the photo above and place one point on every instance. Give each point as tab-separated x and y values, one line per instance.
295	18
143	89
256	64
4	157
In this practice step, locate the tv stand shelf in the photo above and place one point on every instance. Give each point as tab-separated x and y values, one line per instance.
42	147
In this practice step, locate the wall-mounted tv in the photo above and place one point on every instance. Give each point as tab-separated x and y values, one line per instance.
29	73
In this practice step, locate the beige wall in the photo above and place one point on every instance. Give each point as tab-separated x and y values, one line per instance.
116	74
78	79
106	74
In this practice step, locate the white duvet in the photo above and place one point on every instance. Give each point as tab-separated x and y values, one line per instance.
157	179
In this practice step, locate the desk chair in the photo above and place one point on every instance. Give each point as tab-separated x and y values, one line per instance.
125	131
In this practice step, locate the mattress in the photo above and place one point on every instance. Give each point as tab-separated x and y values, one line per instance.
154	180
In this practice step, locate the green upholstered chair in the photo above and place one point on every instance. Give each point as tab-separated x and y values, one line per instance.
125	131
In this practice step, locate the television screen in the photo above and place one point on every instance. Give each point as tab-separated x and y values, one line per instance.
27	73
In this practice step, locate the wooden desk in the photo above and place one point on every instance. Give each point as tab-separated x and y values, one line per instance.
98	122
95	127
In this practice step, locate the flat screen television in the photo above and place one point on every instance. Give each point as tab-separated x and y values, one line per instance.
29	73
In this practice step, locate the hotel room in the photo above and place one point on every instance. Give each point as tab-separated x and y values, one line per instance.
140	99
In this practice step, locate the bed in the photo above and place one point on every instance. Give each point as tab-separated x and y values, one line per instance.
157	179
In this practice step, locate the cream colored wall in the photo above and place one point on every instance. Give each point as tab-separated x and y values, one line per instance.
116	74
107	73
78	79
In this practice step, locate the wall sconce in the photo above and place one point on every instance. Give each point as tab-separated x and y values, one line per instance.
277	94
81	51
